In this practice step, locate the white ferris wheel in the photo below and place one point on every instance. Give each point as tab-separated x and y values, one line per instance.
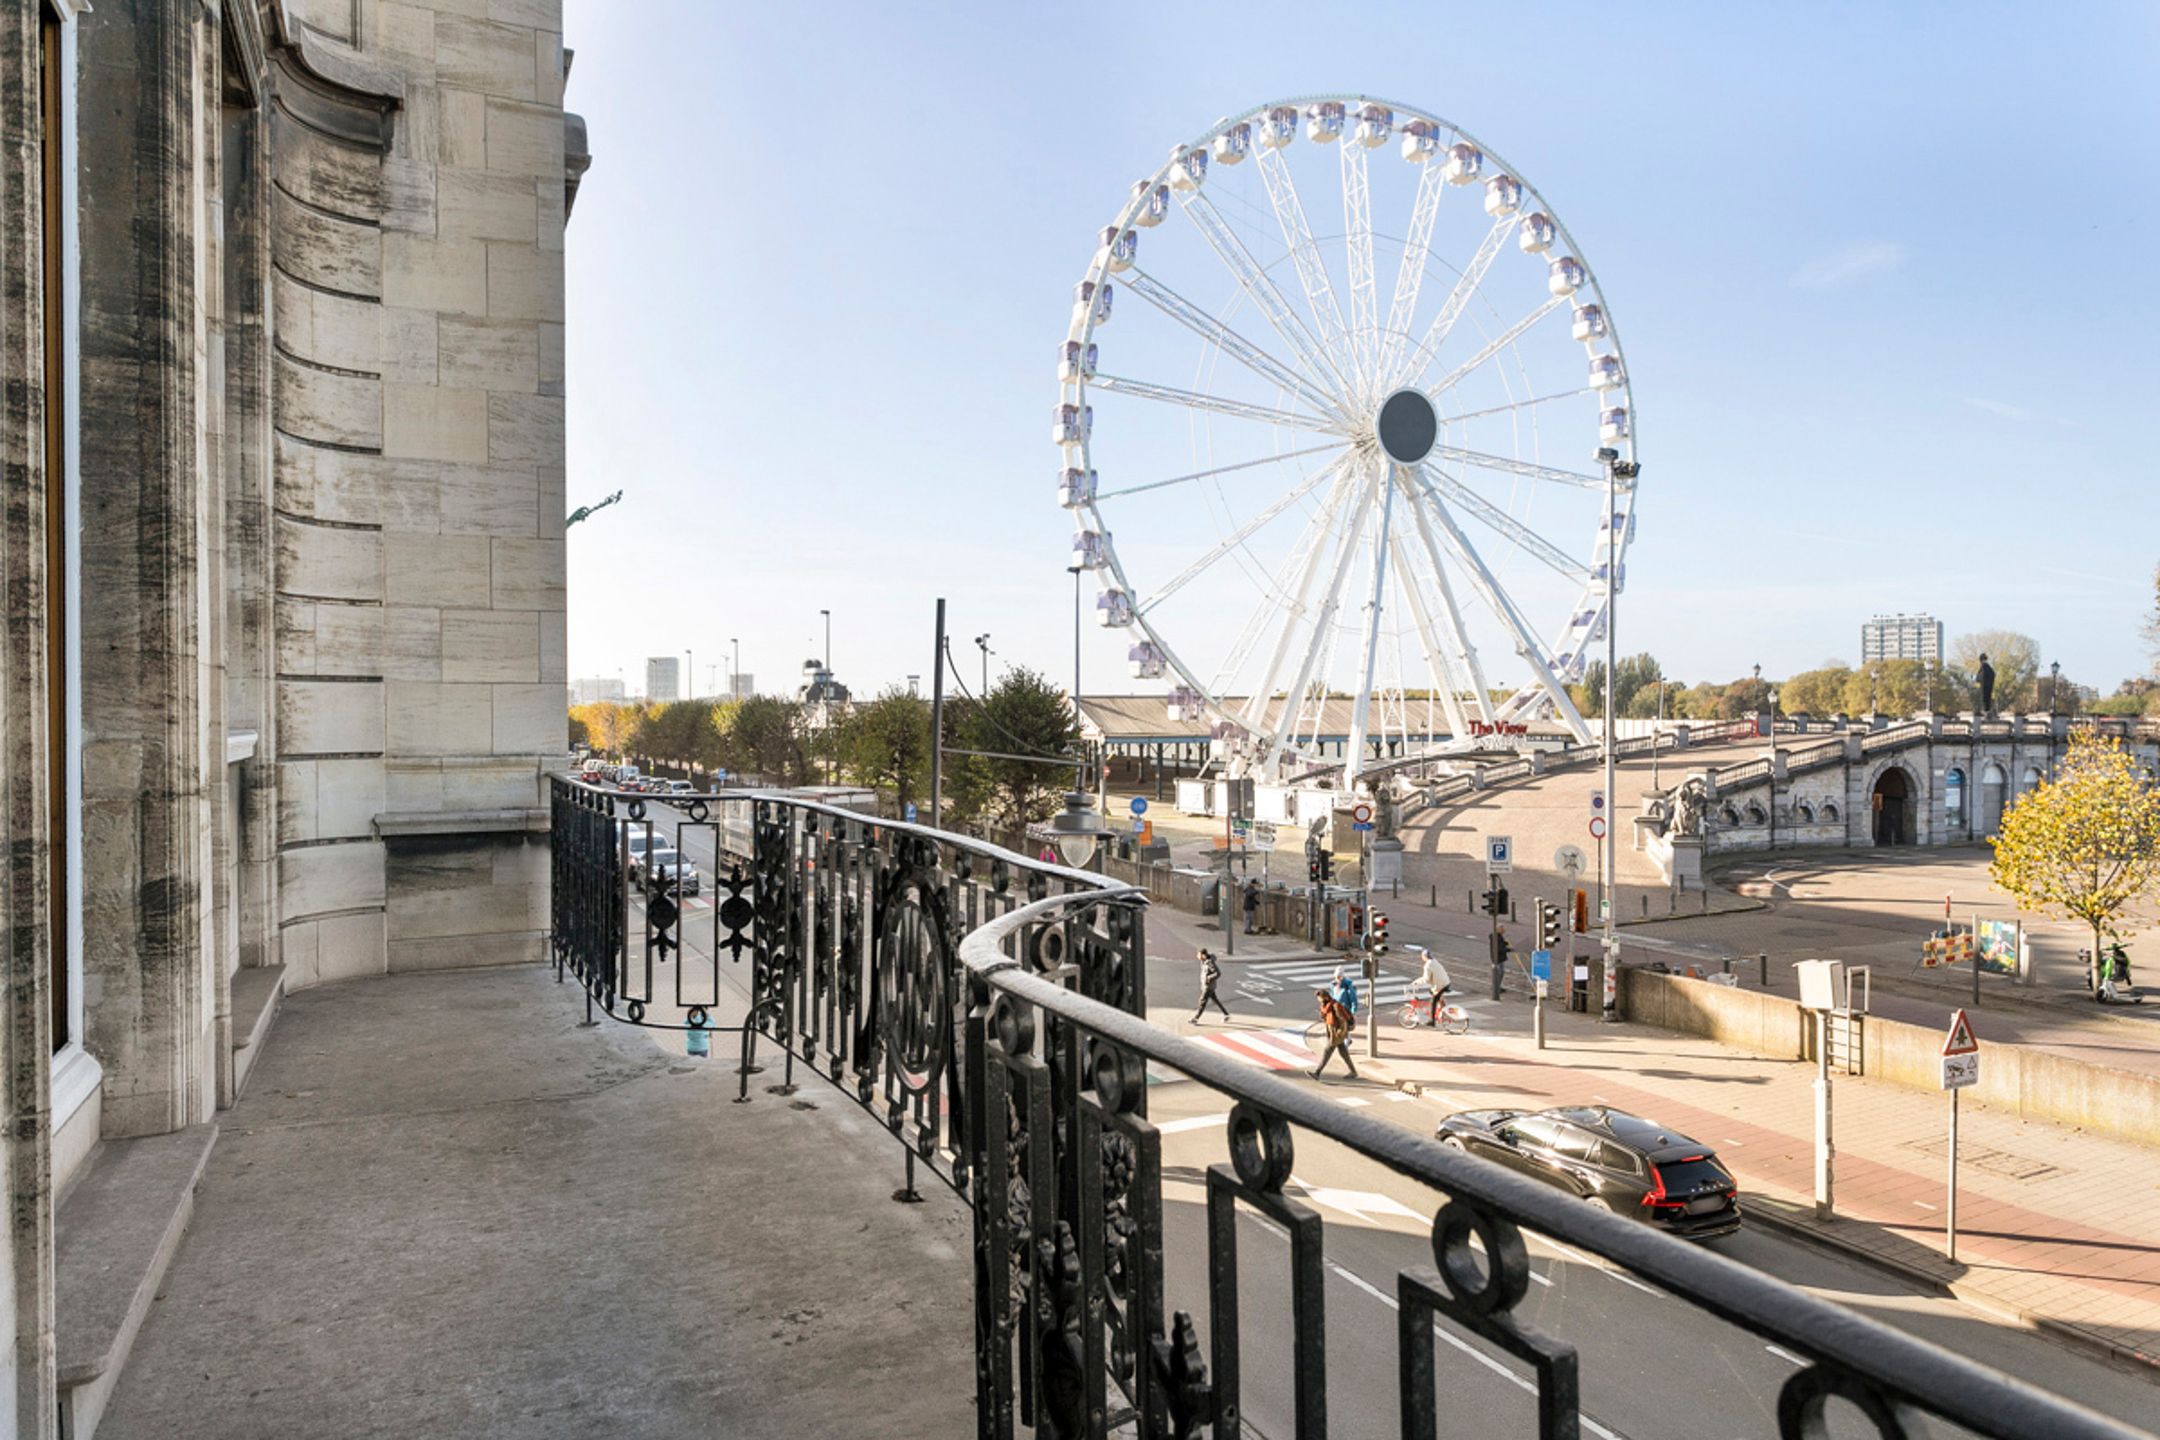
1349	438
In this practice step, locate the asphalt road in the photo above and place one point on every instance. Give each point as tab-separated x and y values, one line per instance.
1651	1365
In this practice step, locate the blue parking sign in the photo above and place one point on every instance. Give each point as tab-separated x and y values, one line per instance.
1541	964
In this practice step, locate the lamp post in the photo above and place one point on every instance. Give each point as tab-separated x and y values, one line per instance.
2054	684
982	643
734	679
1078	829
1616	470
1074	571
689	685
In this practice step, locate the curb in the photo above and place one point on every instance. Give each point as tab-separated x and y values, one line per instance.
2070	1337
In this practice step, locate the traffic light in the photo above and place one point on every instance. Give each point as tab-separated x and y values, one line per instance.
1582	912
1376	933
1548	926
1496	900
1327	865
1312	869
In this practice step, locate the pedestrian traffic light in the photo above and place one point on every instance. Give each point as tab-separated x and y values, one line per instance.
1548	926
1376	933
1582	912
1312	869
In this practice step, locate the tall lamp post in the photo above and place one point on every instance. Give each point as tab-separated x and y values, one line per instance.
1074	571
982	643
734	679
1616	470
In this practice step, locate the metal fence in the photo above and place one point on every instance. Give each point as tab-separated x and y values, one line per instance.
991	1011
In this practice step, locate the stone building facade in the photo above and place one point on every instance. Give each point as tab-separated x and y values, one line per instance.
281	337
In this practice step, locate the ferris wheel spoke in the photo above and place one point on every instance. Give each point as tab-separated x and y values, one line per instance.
1358	244
1324	623
1459	296
1433	479
1235	539
1264	292
1218	470
1305	560
1305	257
1514	405
1480	692
1410	274
1526	468
1193	318
1194	400
1510	616
1436	659
1492	347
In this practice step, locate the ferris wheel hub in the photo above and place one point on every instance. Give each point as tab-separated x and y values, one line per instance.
1407	426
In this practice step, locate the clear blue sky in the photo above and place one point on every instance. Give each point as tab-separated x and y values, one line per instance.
1882	274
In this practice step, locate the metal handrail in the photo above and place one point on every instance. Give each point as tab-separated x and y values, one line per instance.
1879	1369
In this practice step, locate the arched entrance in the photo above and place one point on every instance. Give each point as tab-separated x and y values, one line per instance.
1994	785
1893	804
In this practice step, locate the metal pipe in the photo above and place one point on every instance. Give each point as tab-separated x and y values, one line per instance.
937	719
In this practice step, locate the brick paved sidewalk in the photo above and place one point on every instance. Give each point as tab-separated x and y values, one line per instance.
2057	1227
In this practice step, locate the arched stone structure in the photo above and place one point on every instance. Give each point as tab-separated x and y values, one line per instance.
1894	803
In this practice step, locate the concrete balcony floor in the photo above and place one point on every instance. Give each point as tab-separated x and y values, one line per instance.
442	1208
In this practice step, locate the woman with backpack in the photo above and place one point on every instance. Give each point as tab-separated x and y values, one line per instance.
1335	1016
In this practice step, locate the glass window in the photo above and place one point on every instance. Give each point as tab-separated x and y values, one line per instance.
1574	1144
1614	1157
1531	1130
1681	1176
1954	793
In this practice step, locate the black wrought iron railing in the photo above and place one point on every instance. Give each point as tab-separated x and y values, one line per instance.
990	1010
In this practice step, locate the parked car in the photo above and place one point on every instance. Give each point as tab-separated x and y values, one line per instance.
680	787
1620	1162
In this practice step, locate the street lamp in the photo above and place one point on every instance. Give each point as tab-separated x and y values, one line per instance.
1078	829
2054	684
734	679
982	643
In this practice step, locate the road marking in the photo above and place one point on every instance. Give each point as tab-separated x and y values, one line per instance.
1923	1204
1784	1354
1355	1102
1441	1332
1193	1122
1397	1096
1598	1264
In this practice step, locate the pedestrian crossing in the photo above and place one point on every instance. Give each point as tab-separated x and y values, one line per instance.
1291	982
1282	1049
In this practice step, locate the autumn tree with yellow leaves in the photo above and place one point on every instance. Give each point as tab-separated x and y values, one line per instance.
2085	845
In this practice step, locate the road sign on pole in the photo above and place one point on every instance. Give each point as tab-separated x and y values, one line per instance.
1499	854
1570	861
1960	1067
1597	827
1139	805
1960	1040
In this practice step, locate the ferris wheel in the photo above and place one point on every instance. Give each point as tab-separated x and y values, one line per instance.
1341	467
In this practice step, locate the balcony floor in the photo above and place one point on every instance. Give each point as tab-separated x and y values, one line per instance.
441	1208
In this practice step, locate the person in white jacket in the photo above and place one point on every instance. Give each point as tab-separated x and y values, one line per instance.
1432	978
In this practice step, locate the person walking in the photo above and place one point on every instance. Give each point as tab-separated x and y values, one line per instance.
1346	991
1210	974
1337	1020
1252	904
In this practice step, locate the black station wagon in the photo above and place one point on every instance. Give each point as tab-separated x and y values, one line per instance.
1620	1162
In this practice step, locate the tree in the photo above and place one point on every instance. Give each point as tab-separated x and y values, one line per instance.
885	744
1023	715
1744	697
1820	691
579	735
608	725
2085	845
2152	623
1634	672
763	737
1888	687
1701	702
2016	659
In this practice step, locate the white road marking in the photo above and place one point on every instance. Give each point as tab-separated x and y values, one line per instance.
1193	1122
1354	1102
1593	1261
1363	1204
1441	1332
1397	1095
1923	1204
1784	1354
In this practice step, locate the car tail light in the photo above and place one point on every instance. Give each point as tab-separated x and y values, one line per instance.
1655	1196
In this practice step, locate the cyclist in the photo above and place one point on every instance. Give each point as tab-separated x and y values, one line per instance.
1432	980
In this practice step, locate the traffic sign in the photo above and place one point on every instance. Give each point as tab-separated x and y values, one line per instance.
1499	854
1139	805
1361	814
1597	802
1569	861
1958	1071
910	812
1263	835
1138	825
1541	964
1597	827
1361	825
1960	1040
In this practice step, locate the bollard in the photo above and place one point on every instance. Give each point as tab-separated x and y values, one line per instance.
1762	971
1672	903
1728	964
1513	918
1646	906
1436	895
1469	903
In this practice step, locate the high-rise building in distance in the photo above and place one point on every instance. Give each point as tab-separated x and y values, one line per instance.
1902	637
596	688
663	678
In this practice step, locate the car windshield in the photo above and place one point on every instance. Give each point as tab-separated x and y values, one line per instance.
639	842
663	855
1682	1176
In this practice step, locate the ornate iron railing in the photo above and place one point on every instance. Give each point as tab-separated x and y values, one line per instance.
1075	1334
841	927
990	1011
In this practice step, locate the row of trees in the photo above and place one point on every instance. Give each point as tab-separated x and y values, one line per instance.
1889	687
881	744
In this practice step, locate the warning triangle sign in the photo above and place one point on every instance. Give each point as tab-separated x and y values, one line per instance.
1960	1040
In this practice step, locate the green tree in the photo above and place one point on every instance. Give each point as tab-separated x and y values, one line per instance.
2085	845
1023	715
1890	687
1820	691
1634	673
1701	702
2015	657
885	744
1744	697
764	738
